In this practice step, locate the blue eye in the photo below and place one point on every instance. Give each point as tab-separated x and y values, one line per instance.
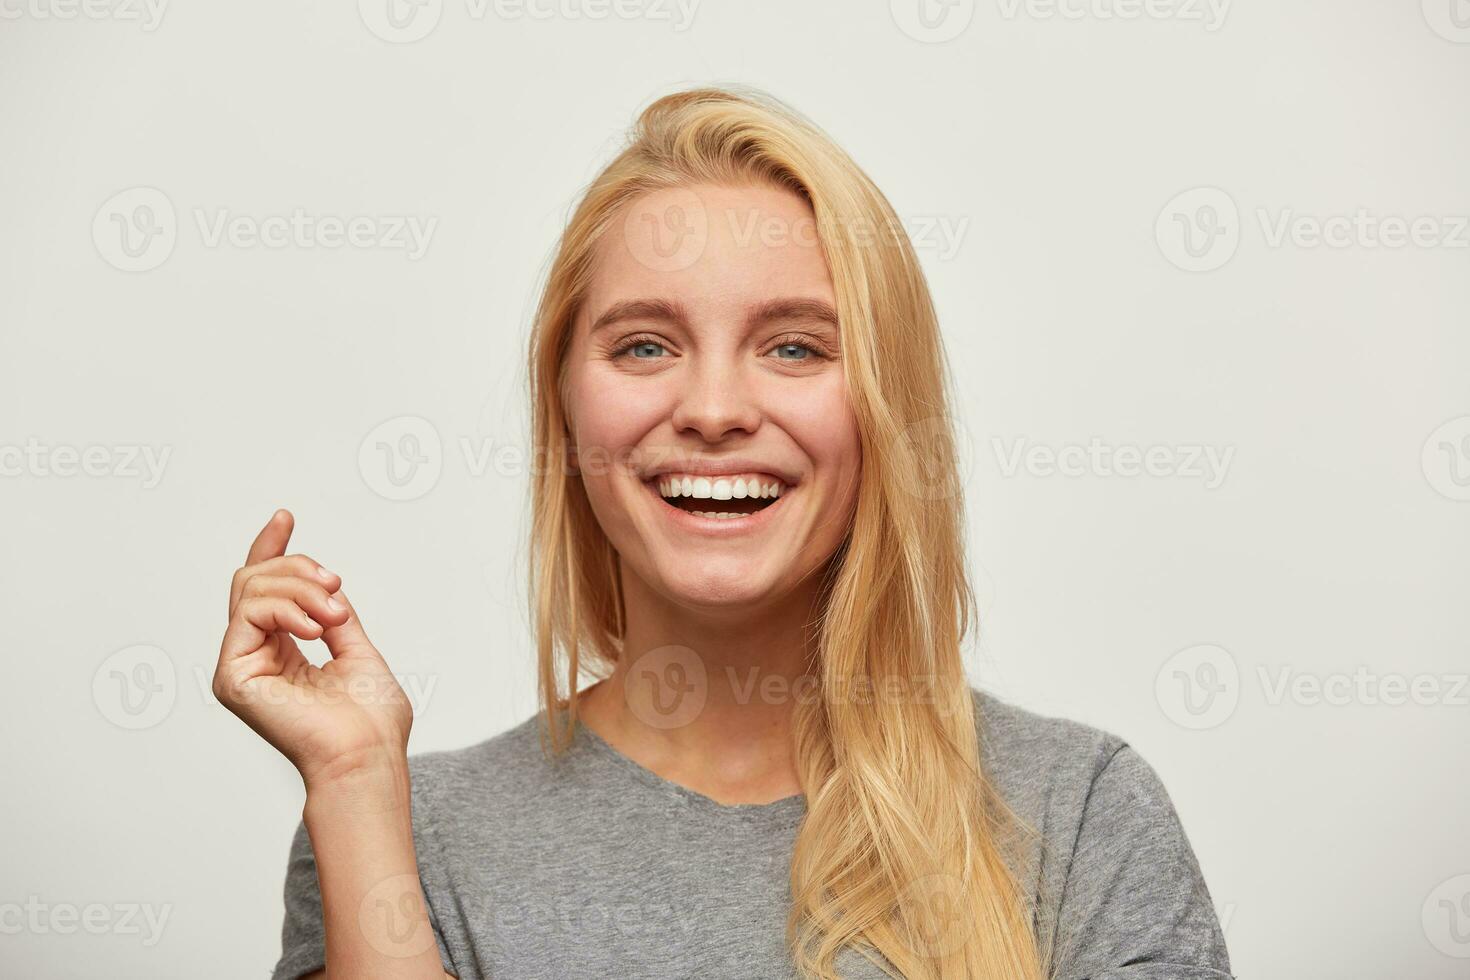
797	352
646	349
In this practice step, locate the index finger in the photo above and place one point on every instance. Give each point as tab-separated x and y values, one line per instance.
271	541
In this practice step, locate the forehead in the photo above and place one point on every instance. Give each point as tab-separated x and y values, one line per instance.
709	248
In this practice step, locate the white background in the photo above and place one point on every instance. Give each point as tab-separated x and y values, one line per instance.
1051	144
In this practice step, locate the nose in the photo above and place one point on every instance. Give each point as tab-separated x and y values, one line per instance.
716	402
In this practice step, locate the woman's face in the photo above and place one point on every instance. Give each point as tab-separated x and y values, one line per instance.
706	396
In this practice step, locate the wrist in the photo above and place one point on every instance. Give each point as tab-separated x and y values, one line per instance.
374	781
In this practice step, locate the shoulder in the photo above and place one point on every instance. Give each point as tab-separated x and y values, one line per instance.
1027	753
485	777
1056	773
1009	728
1112	874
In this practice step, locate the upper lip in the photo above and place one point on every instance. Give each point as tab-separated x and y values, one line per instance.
696	465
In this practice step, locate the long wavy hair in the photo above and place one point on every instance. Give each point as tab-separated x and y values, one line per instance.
905	852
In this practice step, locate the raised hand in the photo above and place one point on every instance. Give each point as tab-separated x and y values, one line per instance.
330	721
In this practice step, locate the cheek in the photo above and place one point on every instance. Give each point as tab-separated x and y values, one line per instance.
612	411
820	418
611	414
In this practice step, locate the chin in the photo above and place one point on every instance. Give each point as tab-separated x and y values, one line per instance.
717	584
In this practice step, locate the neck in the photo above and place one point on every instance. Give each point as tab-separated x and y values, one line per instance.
706	698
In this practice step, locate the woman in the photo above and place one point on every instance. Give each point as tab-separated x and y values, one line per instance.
754	549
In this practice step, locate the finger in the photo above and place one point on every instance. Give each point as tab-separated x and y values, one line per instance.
278	656
289	658
257	617
271	541
234	672
243	685
310	593
299	565
348	638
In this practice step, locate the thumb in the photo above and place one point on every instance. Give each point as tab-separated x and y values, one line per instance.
349	639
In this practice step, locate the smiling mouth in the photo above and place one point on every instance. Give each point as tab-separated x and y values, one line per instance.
720	498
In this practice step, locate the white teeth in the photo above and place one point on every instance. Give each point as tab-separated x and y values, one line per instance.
718	515
718	488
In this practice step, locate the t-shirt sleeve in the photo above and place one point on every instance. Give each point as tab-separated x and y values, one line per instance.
1135	905
303	936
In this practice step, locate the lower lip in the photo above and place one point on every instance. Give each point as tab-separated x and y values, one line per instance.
717	526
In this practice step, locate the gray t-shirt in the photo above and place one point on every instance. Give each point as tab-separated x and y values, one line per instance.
597	867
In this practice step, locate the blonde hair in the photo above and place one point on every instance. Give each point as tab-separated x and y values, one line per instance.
903	855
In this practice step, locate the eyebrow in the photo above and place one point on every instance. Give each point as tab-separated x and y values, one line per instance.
659	309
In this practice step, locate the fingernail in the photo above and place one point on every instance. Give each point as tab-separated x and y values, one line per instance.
323	574
334	605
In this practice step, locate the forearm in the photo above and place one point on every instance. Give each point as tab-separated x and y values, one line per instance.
373	907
